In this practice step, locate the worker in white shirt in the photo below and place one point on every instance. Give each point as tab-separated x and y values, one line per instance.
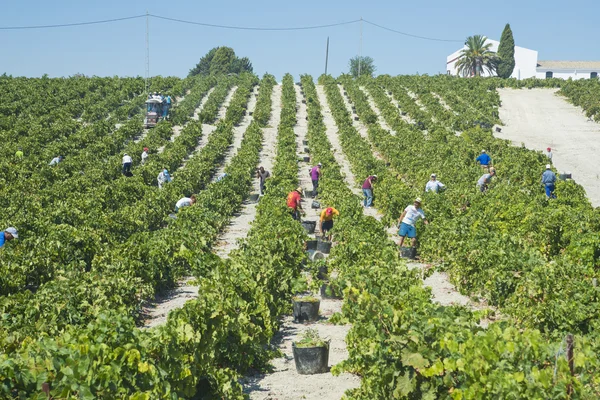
408	219
549	154
144	155
434	185
163	178
56	160
127	163
185	202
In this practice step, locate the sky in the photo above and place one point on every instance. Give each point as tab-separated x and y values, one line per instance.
555	30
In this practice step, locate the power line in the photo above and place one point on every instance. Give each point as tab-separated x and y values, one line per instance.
248	28
411	35
73	24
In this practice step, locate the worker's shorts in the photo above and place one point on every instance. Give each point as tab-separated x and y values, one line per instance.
327	225
407	230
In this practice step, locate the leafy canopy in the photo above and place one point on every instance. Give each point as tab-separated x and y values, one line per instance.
221	60
506	53
367	66
476	57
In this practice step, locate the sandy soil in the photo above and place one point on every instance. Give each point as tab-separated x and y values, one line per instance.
397	105
202	103
539	118
240	225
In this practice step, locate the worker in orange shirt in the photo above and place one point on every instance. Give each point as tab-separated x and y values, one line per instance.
327	221
294	199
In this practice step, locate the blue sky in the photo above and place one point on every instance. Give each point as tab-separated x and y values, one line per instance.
557	31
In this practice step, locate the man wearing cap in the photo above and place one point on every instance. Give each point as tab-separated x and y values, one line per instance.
8	235
408	219
549	154
144	155
326	220
549	181
485	180
483	159
315	174
127	163
434	185
367	189
56	160
294	200
262	176
163	178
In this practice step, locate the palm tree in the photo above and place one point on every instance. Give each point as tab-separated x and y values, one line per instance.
476	57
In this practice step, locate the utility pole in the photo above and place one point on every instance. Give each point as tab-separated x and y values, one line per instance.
360	47
326	55
147	51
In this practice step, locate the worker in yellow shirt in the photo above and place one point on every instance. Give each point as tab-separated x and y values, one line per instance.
327	221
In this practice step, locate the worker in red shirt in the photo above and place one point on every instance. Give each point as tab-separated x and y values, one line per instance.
294	203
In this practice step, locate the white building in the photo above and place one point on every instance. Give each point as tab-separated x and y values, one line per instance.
528	66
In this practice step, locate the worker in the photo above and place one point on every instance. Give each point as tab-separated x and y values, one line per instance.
294	203
549	154
163	178
484	160
19	154
127	163
315	175
326	221
485	180
221	177
56	160
185	202
434	185
144	155
549	181
168	105
407	221
8	235
262	176
367	189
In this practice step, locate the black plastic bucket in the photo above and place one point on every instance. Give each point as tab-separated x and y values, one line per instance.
315	204
323	273
306	150
498	129
408	252
254	197
323	246
564	176
314	255
311	360
306	159
309	226
311	245
305	142
306	311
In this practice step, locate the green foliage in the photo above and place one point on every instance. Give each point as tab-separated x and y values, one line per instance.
506	53
221	60
361	66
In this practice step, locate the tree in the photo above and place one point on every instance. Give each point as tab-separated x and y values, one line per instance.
221	60
506	53
367	66
477	57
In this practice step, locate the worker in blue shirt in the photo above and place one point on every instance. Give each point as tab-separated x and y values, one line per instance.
8	235
549	180
484	160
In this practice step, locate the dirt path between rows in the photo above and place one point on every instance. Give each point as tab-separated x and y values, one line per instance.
540	118
284	383
240	225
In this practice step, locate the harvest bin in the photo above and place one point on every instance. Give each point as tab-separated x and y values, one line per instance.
311	360
306	310
309	226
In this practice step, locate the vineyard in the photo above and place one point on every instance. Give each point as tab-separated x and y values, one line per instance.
97	250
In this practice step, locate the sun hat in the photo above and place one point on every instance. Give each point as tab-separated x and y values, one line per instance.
483	151
320	165
299	189
375	176
548	166
13	232
329	211
433	175
418	200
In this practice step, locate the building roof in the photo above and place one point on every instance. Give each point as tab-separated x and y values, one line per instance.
571	65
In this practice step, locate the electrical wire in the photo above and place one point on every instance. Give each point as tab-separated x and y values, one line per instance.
105	21
411	35
248	28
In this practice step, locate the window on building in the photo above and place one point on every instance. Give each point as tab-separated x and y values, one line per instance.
548	74
593	75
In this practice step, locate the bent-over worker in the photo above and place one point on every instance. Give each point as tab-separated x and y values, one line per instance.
549	154
549	181
8	235
326	221
408	219
294	203
144	155
185	202
56	160
163	178
485	180
127	163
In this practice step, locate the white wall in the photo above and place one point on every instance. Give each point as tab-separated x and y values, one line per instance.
565	74
525	61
